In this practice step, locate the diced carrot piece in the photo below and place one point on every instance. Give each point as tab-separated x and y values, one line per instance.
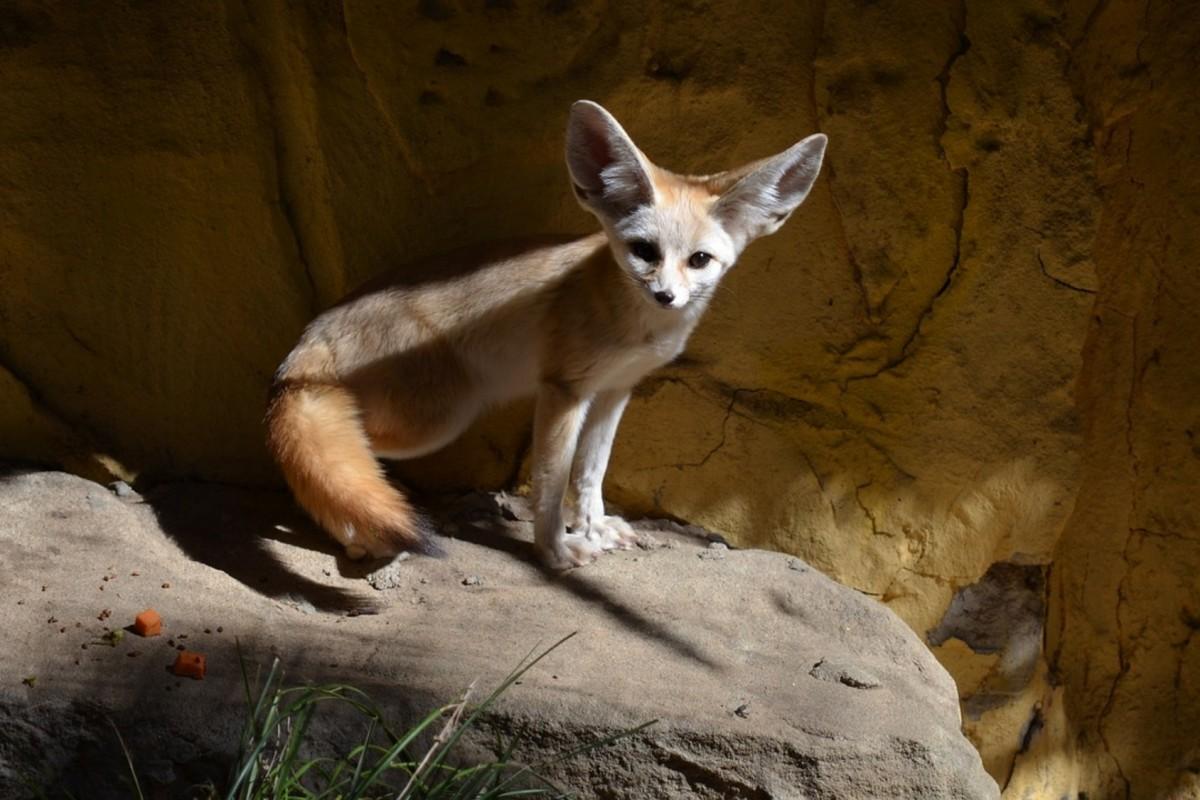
189	665
147	623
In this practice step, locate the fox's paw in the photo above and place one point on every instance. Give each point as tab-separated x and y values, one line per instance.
612	533
380	545
359	551
570	551
360	547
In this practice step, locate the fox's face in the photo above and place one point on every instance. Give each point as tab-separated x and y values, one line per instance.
674	248
675	236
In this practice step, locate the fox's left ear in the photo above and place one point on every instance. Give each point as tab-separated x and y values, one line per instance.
770	190
609	174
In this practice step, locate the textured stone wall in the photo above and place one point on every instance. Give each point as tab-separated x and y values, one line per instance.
1125	599
958	380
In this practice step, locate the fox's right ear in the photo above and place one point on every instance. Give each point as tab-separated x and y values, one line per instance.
610	175
767	192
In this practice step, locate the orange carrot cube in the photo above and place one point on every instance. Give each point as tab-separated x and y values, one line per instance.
189	665
148	623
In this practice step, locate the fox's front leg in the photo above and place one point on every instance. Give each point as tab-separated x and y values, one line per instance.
556	424
591	462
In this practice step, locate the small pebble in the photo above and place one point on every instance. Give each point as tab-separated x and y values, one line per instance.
122	489
471	580
743	711
166	586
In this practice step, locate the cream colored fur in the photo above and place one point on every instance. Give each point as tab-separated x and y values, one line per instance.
401	368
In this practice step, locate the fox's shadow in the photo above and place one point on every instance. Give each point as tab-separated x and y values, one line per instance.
500	522
230	529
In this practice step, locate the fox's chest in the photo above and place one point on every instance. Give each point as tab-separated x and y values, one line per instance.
623	368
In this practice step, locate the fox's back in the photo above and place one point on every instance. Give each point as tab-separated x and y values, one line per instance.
482	307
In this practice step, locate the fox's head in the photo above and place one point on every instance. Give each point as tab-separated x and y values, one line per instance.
677	235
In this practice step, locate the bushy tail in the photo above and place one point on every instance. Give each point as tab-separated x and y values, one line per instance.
315	433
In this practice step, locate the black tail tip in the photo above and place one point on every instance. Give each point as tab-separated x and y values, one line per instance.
428	545
429	542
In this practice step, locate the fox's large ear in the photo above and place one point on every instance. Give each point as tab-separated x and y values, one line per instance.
766	193
609	173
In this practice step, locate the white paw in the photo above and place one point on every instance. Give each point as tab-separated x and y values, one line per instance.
570	551
611	533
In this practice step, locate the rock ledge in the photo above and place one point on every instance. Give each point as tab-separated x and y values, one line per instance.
768	679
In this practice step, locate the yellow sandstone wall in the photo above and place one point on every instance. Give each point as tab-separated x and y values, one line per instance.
962	379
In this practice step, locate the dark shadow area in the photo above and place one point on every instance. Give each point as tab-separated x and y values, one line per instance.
182	736
480	518
227	528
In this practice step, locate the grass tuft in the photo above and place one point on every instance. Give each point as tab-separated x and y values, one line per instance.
383	765
275	762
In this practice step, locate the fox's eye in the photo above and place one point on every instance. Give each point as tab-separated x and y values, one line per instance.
646	251
699	260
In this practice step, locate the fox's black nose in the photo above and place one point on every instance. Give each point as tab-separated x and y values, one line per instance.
664	297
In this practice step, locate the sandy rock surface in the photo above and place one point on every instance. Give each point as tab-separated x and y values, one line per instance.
768	679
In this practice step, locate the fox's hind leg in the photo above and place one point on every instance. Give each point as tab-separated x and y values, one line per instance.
416	403
591	462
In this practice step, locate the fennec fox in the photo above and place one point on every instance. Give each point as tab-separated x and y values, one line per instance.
400	369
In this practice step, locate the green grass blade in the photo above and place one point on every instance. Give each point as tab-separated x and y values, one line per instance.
491	699
363	754
401	744
137	787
